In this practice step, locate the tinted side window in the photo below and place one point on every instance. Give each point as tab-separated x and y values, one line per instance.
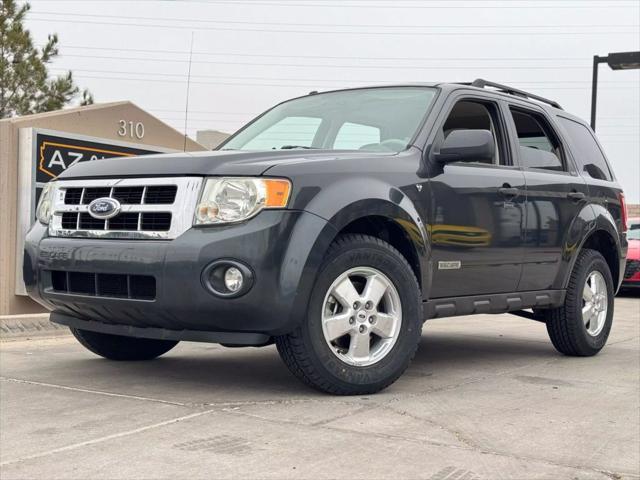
539	147
587	152
476	115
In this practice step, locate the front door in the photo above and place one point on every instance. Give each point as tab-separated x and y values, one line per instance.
476	213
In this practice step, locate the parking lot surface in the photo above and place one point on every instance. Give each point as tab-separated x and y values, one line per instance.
486	397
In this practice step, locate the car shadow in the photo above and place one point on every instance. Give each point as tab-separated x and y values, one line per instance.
258	373
441	349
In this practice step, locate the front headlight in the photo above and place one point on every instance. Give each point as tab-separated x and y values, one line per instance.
45	204
235	199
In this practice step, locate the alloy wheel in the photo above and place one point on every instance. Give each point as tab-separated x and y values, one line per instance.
361	316
595	303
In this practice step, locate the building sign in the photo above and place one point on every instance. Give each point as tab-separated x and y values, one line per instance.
56	154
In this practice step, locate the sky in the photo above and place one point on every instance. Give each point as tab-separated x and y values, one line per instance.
248	55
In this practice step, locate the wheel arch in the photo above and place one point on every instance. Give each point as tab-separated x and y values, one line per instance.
602	236
603	242
356	204
397	233
398	229
398	224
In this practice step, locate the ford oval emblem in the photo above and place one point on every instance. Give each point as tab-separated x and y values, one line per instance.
104	208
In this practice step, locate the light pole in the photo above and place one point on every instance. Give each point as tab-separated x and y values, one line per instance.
616	61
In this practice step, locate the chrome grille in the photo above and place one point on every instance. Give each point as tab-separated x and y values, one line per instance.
131	195
151	208
155	194
73	196
91	194
132	221
160	194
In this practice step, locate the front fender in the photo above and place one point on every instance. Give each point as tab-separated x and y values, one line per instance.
351	199
308	243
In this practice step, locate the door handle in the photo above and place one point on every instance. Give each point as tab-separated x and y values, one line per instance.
576	196
509	192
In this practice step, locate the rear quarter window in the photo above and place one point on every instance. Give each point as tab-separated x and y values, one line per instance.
586	150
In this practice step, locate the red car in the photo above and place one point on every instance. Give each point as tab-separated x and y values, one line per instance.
632	272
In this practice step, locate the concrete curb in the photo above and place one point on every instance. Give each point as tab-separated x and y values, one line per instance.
23	327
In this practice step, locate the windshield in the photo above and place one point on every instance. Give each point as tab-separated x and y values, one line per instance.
634	231
375	119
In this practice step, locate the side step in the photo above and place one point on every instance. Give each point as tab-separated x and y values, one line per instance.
494	303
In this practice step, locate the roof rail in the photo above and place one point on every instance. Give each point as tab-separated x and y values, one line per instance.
481	83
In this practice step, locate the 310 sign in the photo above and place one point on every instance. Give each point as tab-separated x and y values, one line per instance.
131	129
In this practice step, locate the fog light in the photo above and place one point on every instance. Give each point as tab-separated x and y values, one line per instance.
233	279
227	278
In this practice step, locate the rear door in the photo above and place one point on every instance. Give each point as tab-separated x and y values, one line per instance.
555	194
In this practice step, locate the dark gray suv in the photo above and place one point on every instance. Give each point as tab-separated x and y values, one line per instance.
334	224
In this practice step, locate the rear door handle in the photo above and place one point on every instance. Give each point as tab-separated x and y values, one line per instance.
508	192
576	196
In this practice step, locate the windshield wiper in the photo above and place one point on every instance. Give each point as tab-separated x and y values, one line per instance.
292	147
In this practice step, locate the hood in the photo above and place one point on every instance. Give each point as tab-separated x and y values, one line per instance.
240	163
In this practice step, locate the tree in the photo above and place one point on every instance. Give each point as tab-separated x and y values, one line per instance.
25	84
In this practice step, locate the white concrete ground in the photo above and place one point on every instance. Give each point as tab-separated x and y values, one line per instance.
486	397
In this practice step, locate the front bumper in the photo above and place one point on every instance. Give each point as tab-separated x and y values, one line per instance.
282	248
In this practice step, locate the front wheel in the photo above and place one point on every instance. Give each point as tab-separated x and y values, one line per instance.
117	347
582	325
364	320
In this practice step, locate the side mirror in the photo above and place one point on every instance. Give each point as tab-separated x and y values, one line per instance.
466	146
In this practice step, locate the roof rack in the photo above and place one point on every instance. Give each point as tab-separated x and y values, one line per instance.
481	83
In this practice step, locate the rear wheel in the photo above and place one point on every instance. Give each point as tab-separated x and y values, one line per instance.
582	325
364	320
117	347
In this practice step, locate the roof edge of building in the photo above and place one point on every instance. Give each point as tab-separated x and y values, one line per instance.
68	111
17	121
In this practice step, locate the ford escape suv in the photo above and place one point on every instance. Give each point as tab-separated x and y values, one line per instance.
333	225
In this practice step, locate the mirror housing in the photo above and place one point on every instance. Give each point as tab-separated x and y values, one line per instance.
466	146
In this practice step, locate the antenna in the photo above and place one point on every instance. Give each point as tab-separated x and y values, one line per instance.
186	107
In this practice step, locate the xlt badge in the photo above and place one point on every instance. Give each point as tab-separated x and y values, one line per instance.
450	265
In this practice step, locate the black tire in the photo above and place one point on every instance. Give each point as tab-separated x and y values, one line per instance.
117	347
566	329
307	354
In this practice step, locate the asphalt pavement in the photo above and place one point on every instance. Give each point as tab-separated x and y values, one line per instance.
486	397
